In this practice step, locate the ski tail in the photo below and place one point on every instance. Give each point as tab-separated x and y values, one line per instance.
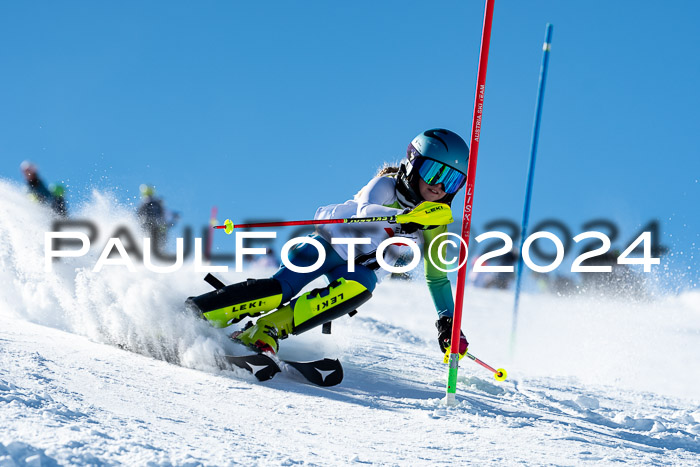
261	366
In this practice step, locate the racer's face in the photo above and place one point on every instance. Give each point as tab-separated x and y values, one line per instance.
431	192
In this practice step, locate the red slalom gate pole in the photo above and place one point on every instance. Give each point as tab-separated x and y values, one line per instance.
468	200
210	237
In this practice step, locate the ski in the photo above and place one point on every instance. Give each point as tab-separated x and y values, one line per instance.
262	366
325	372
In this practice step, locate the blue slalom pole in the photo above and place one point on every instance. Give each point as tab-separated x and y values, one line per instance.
530	176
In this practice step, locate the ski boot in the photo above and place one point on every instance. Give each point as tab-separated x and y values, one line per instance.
230	304
315	308
263	336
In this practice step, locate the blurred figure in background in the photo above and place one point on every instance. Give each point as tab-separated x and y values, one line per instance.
503	280
37	188
153	215
54	197
58	203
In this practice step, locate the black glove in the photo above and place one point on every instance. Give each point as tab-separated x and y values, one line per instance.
444	327
409	227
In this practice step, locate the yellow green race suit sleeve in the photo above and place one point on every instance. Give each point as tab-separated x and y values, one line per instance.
438	283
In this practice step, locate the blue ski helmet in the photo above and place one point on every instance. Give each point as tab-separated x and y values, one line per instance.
436	156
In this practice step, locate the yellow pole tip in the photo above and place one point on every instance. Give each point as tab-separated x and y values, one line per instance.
228	226
501	374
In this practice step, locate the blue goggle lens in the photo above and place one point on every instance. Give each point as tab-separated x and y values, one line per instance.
434	172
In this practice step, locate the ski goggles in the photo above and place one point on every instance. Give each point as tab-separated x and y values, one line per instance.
433	172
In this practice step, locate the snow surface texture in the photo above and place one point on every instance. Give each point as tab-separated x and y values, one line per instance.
592	381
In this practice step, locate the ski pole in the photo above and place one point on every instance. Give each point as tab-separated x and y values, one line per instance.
426	213
501	374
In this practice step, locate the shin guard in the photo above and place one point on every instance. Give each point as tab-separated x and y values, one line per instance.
323	305
309	311
235	302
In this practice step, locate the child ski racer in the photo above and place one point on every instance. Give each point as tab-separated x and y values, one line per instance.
434	170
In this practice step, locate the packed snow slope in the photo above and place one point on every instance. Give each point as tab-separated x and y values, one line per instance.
591	381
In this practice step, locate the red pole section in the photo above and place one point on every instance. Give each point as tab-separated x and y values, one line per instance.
426	213
469	195
285	223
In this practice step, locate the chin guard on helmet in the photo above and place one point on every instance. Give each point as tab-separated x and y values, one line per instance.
407	193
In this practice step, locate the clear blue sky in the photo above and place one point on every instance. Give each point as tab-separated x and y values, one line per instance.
271	109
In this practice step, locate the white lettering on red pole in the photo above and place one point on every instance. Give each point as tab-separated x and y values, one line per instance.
468	205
